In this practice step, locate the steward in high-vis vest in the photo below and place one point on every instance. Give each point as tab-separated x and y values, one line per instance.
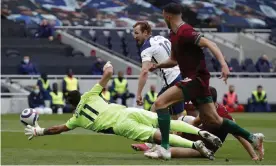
70	83
44	86
230	101
119	89
258	101
149	99
57	100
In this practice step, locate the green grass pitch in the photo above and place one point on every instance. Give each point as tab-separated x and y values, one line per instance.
85	147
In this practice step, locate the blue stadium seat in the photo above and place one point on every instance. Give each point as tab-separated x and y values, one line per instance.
248	61
251	68
234	62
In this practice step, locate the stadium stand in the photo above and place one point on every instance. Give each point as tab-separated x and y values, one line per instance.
43	53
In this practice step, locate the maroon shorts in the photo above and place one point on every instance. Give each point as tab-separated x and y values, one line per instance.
196	90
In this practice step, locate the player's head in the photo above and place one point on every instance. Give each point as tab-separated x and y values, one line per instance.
142	31
214	93
171	12
74	98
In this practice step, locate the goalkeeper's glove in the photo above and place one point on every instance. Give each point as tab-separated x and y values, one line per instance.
34	131
107	65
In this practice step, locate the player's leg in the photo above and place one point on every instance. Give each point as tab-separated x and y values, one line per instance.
170	96
209	117
176	141
178	152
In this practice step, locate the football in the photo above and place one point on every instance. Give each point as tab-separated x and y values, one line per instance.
29	116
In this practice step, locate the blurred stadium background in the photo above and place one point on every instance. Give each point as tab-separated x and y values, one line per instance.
53	37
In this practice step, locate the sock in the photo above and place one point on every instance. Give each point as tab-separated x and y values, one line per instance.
180	126
178	141
164	126
233	128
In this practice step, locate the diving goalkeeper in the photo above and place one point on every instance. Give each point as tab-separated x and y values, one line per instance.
92	112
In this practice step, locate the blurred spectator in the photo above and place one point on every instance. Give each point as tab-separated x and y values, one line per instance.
97	68
57	100
69	83
35	100
44	86
129	70
119	89
27	67
263	63
150	98
45	30
106	94
230	101
258	101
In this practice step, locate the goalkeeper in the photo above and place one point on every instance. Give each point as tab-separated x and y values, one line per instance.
92	112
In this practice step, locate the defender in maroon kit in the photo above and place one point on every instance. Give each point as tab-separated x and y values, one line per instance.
186	51
222	112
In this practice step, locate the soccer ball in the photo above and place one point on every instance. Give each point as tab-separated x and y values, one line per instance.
29	116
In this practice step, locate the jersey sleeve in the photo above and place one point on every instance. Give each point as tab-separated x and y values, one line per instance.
72	123
96	90
191	36
147	54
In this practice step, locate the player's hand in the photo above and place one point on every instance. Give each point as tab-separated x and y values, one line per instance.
139	100
224	73
107	65
256	158
153	67
33	131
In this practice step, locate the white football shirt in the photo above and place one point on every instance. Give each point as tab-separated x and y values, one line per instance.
158	49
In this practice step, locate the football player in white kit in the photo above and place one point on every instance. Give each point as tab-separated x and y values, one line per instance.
156	49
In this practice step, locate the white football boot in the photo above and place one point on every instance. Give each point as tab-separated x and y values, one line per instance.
258	139
158	152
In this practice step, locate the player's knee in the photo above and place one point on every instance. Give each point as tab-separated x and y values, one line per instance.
159	104
157	137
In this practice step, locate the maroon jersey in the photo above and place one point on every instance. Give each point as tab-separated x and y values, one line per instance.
188	53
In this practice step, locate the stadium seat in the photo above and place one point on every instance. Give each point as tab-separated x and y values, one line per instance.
251	68
234	62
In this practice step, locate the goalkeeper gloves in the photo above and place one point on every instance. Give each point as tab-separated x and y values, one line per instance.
34	131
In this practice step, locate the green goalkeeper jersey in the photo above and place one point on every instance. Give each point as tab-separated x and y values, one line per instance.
94	113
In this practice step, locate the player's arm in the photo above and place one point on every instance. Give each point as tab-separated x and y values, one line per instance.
247	146
108	72
56	130
142	80
169	63
204	42
34	131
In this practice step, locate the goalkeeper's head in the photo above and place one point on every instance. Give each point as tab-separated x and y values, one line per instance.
74	98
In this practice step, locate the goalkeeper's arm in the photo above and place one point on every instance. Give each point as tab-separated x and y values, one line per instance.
55	130
34	131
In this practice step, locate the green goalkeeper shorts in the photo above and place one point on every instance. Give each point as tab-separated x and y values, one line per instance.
137	124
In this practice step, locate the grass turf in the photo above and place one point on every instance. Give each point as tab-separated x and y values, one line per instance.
85	147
